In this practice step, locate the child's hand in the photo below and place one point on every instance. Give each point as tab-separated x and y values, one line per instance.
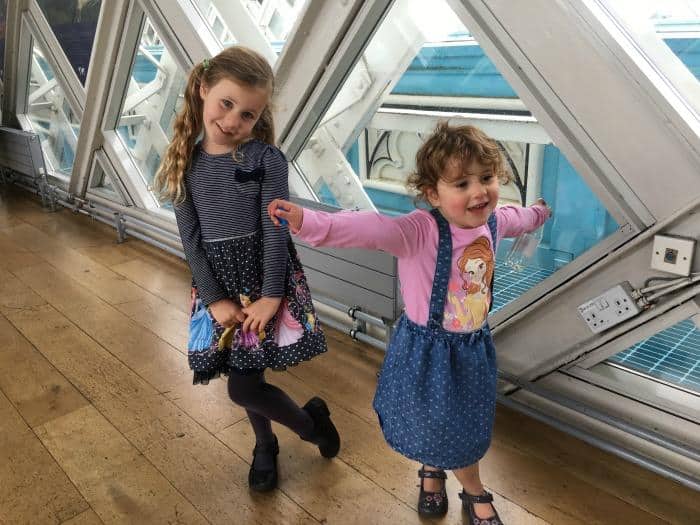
259	313
281	209
226	312
542	202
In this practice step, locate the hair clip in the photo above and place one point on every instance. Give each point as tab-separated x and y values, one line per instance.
205	63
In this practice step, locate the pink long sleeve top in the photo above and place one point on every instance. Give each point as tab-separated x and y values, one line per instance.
413	239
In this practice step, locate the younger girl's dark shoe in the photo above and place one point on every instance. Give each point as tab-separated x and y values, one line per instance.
325	434
432	503
264	480
468	505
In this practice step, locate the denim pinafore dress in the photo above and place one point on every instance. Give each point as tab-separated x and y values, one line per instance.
436	393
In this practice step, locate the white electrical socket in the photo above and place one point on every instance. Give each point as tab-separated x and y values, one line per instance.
609	308
672	254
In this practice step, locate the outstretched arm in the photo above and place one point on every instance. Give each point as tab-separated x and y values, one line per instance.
401	236
514	220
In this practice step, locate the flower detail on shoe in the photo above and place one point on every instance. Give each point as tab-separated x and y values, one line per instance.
494	520
432	503
468	501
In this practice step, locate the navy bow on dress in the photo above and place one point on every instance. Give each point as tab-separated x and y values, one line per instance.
247	176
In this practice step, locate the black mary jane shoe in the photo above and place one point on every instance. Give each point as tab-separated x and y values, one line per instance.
325	434
468	505
432	503
264	480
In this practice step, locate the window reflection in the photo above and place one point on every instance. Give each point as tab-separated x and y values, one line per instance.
51	117
74	23
152	100
101	182
671	356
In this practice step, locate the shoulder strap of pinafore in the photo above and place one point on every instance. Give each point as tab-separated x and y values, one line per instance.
493	228
442	271
442	267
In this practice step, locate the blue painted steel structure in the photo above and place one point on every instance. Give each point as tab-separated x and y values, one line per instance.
453	70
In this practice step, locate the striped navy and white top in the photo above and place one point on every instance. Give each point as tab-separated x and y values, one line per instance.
228	198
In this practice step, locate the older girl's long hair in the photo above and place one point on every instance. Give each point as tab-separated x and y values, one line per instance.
237	63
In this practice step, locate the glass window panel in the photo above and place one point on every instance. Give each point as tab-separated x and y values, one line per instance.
100	181
106	185
422	66
3	19
276	25
51	117
274	18
671	356
218	27
74	23
152	100
676	23
216	21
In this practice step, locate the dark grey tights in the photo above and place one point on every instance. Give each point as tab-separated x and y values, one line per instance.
265	403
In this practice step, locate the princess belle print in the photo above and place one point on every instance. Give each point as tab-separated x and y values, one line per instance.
468	301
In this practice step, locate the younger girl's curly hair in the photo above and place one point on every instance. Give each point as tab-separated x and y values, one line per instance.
454	143
237	63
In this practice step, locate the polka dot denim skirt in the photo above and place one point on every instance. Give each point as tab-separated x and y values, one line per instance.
436	395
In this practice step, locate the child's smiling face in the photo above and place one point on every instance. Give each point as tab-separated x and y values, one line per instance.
466	194
230	112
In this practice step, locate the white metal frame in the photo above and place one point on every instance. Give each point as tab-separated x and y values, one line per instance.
42	33
101	162
107	39
28	39
312	43
239	22
656	67
114	148
319	95
190	46
13	69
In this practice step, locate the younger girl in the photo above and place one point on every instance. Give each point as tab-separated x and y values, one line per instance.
245	271
436	393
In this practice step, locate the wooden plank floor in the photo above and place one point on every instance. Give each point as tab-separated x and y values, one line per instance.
99	422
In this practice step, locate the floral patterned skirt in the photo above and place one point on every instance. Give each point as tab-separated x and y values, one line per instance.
293	335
